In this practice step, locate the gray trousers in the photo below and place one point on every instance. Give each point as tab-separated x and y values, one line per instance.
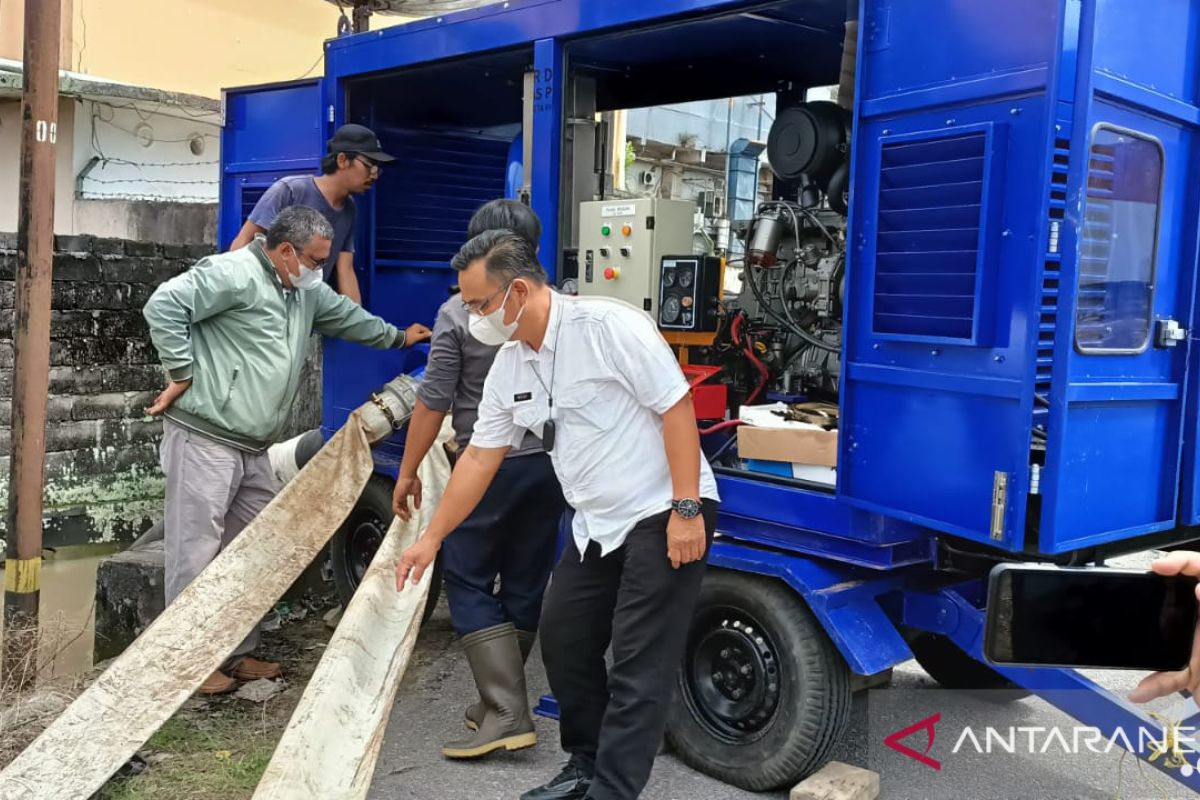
212	492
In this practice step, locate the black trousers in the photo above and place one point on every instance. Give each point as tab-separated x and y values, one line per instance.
613	720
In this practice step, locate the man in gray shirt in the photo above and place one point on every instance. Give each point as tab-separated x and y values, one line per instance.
512	534
351	166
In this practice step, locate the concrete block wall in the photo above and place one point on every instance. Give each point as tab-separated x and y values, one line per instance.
102	476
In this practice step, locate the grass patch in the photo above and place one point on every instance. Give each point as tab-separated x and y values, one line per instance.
220	755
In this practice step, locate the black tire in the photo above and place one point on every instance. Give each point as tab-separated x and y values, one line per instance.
953	669
353	546
763	694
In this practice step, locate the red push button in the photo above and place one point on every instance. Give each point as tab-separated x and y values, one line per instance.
612	273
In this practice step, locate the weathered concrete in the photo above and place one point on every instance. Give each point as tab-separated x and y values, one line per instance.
102	479
102	476
129	596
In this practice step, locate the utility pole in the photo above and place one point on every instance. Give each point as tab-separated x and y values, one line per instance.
31	339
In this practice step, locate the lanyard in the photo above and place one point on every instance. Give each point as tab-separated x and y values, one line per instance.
548	429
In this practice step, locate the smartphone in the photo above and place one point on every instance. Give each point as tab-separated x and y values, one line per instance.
1097	618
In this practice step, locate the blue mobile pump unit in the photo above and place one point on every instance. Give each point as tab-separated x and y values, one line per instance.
988	258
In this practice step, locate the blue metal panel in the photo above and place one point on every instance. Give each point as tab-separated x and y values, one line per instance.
352	372
843	599
269	131
1116	420
818	524
927	426
549	69
497	26
1153	47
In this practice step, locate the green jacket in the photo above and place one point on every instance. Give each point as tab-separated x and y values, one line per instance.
229	325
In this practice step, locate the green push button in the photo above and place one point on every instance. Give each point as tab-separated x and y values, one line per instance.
606	230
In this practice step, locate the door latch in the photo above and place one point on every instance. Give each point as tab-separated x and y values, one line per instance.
999	505
1169	333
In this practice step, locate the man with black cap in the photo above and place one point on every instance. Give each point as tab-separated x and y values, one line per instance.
351	166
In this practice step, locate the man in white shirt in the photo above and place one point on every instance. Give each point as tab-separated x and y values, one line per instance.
596	382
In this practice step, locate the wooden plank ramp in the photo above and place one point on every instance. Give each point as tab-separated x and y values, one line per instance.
332	742
147	684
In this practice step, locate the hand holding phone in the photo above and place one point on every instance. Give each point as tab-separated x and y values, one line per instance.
1161	684
1096	617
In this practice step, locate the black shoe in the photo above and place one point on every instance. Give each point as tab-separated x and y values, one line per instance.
570	784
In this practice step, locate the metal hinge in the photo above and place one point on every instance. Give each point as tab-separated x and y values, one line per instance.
999	504
1169	333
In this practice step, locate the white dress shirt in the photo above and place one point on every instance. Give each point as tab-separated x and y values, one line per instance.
615	379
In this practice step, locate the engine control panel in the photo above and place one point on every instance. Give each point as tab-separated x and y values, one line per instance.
622	244
689	290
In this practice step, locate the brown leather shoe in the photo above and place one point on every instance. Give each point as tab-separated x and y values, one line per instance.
253	669
217	683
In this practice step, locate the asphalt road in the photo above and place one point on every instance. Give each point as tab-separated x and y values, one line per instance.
438	686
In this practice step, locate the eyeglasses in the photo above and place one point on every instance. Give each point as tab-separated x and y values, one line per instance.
479	307
307	261
373	167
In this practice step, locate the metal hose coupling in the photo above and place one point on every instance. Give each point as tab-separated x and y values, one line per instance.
390	408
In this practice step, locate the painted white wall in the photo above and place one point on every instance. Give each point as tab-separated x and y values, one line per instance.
165	169
10	165
146	152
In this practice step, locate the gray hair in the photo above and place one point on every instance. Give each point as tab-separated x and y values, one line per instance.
507	255
298	226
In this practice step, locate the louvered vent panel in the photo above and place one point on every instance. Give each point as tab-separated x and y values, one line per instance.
427	196
927	250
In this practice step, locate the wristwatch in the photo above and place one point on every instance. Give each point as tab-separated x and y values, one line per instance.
686	508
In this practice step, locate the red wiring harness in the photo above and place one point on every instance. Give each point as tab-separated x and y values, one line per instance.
735	333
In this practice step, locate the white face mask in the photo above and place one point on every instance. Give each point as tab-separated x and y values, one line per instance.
308	278
490	329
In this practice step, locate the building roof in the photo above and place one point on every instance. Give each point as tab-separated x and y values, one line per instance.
78	84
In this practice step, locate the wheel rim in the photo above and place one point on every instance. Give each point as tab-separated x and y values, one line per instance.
731	675
366	535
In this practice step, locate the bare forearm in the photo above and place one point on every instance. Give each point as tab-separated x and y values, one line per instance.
682	442
470	479
423	430
246	235
347	279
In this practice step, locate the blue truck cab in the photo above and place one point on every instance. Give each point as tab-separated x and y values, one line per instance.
1004	213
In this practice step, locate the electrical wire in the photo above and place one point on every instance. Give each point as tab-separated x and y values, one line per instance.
815	220
171	181
803	334
308	71
721	426
764	373
722	449
157	139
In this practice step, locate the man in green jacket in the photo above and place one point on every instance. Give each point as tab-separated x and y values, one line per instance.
232	334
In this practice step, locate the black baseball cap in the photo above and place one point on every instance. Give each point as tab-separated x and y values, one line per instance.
361	140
